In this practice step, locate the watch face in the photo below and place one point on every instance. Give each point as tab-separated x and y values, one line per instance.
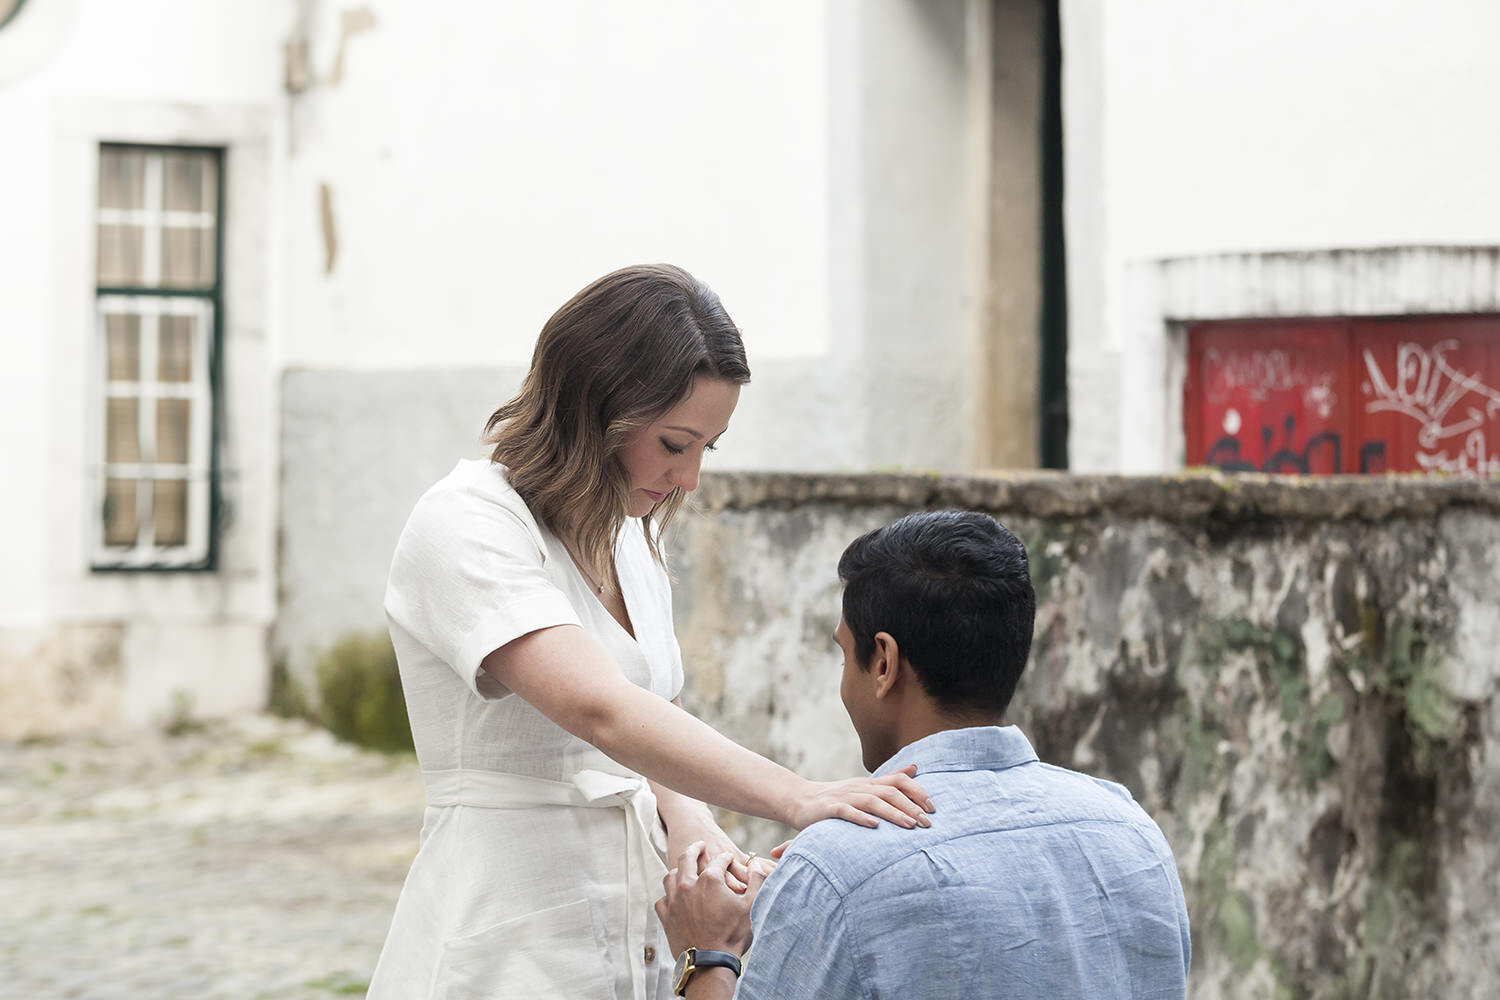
679	973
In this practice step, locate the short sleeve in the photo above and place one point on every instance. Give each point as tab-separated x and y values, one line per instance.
676	679
468	576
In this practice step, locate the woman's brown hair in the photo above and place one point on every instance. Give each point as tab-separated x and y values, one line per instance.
615	357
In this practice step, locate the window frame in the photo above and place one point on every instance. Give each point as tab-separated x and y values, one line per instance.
200	552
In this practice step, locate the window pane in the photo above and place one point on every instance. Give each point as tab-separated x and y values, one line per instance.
191	181
121	255
120	528
187	257
122	434
174	359
122	178
172	423
169	511
122	333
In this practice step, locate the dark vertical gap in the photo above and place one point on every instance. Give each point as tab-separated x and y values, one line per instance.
217	424
1052	400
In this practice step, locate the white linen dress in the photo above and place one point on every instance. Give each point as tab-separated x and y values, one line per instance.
539	857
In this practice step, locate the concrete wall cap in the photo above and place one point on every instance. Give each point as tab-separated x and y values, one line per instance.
1181	497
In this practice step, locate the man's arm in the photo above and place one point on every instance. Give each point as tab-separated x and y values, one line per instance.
711	984
804	948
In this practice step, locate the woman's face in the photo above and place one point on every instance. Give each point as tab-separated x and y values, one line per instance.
667	454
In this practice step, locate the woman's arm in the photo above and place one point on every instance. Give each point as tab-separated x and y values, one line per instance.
688	820
569	678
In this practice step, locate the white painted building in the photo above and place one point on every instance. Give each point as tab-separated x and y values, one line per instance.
1315	159
381	202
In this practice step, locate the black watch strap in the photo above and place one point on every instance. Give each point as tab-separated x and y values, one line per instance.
703	958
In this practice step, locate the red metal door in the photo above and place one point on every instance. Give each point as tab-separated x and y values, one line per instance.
1411	394
1268	397
1429	395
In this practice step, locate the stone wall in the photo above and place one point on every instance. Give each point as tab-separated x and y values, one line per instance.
1297	679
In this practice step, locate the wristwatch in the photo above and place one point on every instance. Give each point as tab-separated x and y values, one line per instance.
694	959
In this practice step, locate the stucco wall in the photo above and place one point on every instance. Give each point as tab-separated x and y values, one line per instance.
1297	679
457	171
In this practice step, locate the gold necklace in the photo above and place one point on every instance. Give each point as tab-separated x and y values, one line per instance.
578	564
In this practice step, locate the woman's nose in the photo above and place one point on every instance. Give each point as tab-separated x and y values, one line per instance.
685	475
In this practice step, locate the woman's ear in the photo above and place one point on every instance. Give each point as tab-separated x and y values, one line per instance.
885	664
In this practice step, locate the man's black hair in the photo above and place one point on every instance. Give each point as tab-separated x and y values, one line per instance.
954	589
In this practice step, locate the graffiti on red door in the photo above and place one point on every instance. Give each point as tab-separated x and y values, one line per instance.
1332	396
1455	413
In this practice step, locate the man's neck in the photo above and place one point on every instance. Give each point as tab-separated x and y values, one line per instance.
930	720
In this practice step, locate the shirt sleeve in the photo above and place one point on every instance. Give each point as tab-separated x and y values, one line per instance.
802	946
468	577
677	679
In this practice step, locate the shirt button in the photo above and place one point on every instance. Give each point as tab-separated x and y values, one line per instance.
650	954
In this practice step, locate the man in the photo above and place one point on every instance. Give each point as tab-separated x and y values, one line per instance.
1032	881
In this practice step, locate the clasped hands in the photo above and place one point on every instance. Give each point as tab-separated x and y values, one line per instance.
708	898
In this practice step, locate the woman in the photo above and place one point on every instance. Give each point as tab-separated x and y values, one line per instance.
531	616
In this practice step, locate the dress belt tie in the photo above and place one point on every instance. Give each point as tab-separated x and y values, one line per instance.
589	789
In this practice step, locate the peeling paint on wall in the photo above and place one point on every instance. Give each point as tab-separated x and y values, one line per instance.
1282	672
330	233
298	66
67	679
352	23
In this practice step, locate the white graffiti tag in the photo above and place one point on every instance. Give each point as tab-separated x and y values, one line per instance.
1446	402
1258	375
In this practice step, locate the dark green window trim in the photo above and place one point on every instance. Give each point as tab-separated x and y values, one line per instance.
214	294
12	15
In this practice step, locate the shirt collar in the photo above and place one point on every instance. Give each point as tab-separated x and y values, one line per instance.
982	748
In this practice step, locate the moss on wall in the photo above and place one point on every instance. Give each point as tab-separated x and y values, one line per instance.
359	693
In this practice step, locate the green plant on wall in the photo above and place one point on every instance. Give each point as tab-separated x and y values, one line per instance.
1390	682
1278	658
1407	670
359	693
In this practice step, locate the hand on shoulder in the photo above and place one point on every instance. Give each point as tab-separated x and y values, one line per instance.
895	797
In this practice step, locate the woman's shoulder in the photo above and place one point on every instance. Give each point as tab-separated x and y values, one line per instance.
476	492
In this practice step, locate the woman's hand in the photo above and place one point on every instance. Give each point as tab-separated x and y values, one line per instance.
684	831
689	821
894	797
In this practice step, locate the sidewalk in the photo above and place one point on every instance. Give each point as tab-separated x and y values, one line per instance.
257	858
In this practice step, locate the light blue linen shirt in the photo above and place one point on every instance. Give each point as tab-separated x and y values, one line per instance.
1033	881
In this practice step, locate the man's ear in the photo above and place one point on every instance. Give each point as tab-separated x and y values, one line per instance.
886	665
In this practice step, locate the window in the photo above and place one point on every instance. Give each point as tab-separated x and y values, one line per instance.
1368	394
158	321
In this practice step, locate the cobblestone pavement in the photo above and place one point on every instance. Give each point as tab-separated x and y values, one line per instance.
254	858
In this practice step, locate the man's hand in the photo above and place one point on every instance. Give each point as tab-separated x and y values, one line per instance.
688	820
700	910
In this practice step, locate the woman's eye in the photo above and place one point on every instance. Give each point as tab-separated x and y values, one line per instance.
710	447
671	448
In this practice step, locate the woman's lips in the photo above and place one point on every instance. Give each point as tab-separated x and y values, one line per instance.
655	496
